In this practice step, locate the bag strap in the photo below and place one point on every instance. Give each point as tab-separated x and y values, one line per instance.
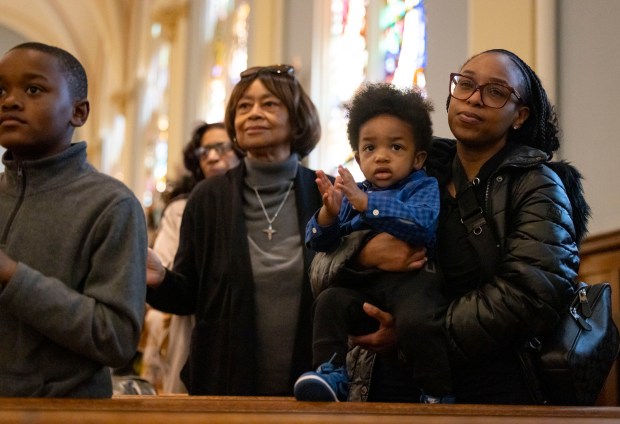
479	232
481	237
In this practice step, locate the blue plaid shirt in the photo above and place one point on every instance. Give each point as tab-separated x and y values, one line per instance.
408	210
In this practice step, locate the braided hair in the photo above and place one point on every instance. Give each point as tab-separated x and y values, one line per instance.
540	130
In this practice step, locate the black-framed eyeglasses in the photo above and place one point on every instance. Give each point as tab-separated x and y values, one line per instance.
492	94
284	70
220	148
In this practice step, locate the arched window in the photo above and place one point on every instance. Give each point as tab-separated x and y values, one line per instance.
369	41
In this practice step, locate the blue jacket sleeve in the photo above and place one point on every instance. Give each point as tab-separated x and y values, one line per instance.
411	215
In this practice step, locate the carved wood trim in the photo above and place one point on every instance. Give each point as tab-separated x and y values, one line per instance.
601	243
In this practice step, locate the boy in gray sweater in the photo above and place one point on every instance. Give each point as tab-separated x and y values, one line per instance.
72	240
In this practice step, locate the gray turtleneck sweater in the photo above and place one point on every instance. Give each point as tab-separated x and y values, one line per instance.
248	310
277	266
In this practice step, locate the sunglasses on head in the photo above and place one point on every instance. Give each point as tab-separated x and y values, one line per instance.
284	70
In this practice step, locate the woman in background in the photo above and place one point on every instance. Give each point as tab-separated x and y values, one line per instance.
209	153
242	266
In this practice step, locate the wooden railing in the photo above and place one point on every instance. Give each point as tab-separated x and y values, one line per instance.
600	261
248	410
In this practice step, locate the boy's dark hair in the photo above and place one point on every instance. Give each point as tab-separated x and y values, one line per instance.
406	104
71	67
540	130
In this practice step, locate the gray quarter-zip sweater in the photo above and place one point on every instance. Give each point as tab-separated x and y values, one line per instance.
76	302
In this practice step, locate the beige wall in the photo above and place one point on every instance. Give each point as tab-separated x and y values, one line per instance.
526	27
589	102
266	29
507	24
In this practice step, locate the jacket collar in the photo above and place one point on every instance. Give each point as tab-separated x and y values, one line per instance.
524	156
47	173
442	152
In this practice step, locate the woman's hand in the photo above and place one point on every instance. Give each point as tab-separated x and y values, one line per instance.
7	268
382	340
155	271
388	253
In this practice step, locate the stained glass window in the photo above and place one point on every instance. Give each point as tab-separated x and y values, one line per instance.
399	49
228	45
154	114
347	66
403	42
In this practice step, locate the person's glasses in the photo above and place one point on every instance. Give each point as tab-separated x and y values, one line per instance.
492	94
220	149
284	70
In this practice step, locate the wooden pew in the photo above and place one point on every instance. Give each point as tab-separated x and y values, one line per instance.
248	410
600	261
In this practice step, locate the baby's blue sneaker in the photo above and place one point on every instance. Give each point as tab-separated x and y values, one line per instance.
327	384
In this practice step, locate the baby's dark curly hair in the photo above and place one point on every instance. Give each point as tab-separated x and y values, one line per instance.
407	104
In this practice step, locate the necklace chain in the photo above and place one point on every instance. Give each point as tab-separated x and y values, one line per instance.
270	231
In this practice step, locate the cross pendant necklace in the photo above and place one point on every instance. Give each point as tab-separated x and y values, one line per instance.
269	230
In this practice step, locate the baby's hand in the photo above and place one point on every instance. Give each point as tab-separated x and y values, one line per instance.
347	185
332	199
323	183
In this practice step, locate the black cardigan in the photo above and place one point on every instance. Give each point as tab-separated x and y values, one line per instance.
213	278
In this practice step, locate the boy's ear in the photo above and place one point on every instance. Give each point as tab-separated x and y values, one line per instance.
81	109
357	157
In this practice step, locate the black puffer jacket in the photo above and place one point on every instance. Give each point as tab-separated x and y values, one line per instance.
532	216
539	225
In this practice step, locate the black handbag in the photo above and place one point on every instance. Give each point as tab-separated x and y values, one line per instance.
570	365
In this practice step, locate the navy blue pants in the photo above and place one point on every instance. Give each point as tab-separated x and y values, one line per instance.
418	307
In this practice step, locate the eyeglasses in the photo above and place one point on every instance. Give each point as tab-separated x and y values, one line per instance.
284	70
492	94
220	149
